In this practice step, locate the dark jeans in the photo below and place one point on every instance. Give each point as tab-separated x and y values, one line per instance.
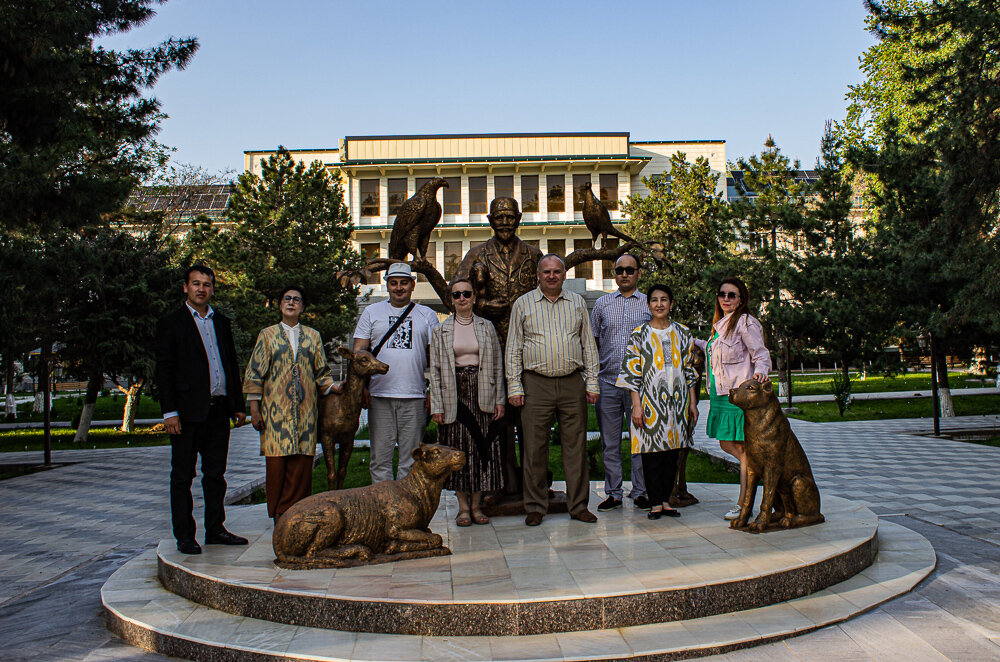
210	439
660	471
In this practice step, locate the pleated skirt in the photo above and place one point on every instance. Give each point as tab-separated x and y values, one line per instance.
483	469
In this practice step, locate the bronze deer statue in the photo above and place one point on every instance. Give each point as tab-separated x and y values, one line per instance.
339	413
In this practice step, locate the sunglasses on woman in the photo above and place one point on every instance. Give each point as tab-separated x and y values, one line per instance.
729	295
461	294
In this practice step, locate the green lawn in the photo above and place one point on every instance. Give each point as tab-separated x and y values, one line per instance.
874	410
62	439
107	408
699	469
807	384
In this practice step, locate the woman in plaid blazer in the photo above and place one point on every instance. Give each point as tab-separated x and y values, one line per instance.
468	393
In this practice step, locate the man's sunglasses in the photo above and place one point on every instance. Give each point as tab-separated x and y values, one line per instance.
628	271
461	294
729	295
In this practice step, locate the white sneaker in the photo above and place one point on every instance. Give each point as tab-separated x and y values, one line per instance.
733	513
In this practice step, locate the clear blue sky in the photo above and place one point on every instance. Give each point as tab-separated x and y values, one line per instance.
306	73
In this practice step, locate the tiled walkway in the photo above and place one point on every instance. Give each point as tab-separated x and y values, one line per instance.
66	530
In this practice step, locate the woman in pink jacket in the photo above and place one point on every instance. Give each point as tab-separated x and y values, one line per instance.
736	353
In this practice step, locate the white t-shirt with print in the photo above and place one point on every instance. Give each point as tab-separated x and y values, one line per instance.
405	352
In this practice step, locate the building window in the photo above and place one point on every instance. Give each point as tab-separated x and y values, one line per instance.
529	193
578	183
369	197
503	187
557	193
557	246
608	266
431	257
477	195
584	269
452	258
397	195
453	195
370	251
609	191
533	242
420	181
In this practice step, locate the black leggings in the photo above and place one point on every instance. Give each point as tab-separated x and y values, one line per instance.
660	471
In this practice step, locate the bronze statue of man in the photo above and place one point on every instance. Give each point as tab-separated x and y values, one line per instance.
501	270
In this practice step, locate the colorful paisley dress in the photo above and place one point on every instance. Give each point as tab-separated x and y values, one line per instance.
658	365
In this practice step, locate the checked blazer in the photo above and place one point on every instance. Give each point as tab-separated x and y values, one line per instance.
443	388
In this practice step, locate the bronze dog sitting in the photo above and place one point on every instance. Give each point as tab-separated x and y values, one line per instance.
376	523
339	413
776	460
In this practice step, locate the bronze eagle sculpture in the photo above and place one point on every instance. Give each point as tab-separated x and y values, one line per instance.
597	218
416	218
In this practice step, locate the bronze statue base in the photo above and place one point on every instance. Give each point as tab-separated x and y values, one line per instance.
513	504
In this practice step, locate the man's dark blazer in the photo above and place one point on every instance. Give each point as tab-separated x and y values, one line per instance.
182	366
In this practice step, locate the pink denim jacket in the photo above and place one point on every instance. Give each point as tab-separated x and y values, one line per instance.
737	357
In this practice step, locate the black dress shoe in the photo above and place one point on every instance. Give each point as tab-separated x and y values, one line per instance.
609	504
654	514
671	512
188	547
225	538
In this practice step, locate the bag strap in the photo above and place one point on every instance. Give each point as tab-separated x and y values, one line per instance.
392	330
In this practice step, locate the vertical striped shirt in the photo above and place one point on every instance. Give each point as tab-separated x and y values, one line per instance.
552	338
614	319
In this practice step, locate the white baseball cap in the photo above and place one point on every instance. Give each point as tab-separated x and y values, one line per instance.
399	269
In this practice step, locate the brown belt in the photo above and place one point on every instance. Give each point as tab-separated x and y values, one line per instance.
538	374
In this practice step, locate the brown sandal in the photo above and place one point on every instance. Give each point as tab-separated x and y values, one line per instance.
480	518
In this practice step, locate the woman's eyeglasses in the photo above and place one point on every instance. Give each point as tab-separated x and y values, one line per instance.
729	295
290	299
461	294
628	271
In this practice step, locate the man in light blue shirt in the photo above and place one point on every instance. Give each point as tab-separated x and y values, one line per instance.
613	319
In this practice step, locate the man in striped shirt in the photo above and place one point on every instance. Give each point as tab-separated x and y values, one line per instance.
614	318
552	365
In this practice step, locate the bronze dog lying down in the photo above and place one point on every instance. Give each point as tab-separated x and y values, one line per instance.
376	523
776	460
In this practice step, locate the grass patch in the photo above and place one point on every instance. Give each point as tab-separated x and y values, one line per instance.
700	469
110	407
806	384
876	410
62	439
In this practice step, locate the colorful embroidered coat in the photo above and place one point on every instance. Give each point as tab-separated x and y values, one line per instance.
289	388
658	365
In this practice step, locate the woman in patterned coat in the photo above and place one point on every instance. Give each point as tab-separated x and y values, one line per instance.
468	393
286	374
658	369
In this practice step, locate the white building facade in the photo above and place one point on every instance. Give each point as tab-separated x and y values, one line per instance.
544	172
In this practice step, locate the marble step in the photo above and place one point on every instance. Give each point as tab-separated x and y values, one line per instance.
143	613
508	579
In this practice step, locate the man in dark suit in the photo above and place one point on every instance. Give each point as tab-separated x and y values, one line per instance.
200	391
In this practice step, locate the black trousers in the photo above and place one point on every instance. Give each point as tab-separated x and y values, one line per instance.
210	439
660	472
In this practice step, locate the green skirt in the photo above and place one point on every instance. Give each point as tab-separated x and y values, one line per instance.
725	420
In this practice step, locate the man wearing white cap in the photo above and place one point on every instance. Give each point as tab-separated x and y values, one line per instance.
399	333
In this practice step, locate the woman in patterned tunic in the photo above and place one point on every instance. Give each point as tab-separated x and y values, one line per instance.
468	393
286	374
658	369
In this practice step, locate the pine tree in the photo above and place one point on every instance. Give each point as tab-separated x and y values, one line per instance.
290	226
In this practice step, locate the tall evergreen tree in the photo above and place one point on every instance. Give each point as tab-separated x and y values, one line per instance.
290	226
76	132
685	213
773	217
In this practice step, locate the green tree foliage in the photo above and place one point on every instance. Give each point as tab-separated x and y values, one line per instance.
290	226
76	134
772	212
836	287
685	214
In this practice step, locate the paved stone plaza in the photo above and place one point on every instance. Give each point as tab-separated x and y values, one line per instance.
67	530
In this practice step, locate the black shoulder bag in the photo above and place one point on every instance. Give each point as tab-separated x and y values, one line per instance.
392	330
